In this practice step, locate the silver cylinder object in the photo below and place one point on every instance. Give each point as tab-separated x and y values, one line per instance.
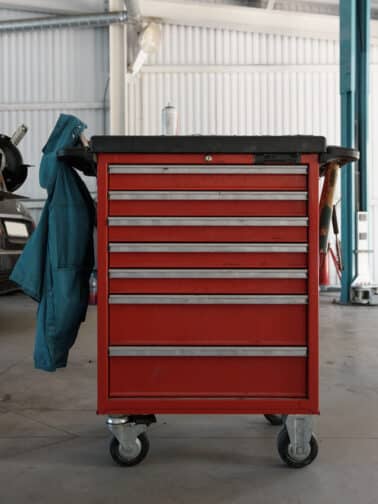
169	120
19	134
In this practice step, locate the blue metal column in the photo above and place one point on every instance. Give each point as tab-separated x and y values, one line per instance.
363	52
348	13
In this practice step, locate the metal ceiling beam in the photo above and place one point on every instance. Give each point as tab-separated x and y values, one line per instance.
248	19
240	18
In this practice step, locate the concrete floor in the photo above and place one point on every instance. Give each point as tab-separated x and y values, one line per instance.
53	447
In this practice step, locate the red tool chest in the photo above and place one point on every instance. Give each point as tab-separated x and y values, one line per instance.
208	281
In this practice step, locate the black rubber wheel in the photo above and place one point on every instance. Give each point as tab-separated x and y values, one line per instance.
284	449
274	419
134	456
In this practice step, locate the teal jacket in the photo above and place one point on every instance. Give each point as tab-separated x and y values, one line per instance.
57	261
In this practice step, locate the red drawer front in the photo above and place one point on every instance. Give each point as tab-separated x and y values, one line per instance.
207	182
209	208
157	324
197	234
207	260
208	376
207	285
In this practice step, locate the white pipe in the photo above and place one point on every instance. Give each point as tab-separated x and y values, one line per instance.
133	10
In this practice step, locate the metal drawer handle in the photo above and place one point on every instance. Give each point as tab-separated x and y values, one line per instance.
214	169
208	273
208	221
201	299
209	247
207	195
200	351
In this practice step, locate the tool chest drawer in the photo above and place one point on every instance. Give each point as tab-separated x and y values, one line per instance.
215	177
211	203
211	281
202	229
202	376
208	320
207	255
203	286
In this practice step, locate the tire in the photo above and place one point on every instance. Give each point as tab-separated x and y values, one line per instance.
142	446
283	445
274	419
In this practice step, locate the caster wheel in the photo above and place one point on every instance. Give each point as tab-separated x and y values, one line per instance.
287	455
274	419
133	455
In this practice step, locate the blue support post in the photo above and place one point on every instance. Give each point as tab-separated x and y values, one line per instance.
363	50
348	13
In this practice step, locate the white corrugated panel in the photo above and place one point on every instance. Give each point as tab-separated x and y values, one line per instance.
45	73
275	102
229	82
238	83
196	45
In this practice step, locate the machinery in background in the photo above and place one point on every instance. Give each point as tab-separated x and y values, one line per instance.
13	171
16	224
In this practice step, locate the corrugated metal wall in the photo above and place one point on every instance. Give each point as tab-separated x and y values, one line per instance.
45	73
222	82
235	83
228	82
